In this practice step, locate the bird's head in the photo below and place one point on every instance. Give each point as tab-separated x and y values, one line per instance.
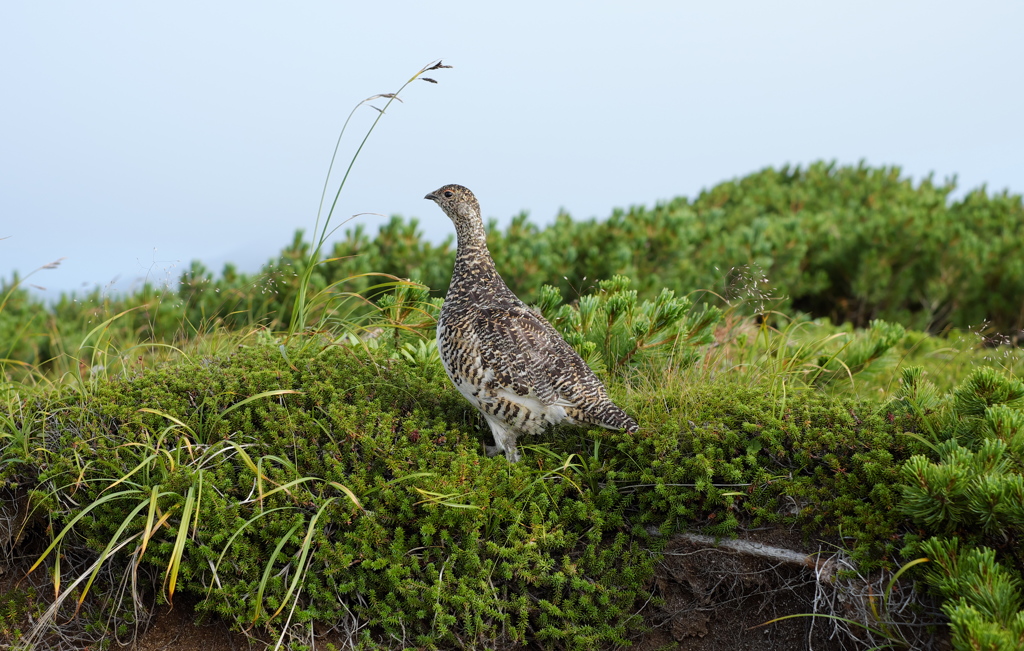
457	202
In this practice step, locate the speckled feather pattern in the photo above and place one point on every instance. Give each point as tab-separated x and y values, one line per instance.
507	360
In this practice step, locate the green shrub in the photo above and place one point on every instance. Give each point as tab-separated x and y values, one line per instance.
968	495
851	243
613	330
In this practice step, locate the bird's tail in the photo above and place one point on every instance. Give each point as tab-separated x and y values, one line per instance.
607	415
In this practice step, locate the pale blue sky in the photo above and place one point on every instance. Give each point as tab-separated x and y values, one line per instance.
137	137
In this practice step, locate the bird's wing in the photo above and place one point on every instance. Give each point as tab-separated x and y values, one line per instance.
540	362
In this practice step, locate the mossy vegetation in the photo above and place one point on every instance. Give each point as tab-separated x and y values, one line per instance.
432	543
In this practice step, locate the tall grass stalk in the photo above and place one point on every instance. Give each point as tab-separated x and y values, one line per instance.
300	309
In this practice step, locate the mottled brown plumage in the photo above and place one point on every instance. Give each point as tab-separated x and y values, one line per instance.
506	359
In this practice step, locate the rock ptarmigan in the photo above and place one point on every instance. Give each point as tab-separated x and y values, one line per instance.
507	360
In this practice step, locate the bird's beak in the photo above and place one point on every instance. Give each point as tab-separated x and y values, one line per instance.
431	196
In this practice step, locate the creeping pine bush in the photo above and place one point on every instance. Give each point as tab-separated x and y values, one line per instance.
851	243
613	330
967	496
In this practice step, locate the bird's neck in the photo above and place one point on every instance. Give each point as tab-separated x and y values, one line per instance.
471	235
474	268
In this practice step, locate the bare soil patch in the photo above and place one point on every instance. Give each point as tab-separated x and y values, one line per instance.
719	596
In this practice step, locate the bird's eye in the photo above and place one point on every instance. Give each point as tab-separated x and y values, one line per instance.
449	193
